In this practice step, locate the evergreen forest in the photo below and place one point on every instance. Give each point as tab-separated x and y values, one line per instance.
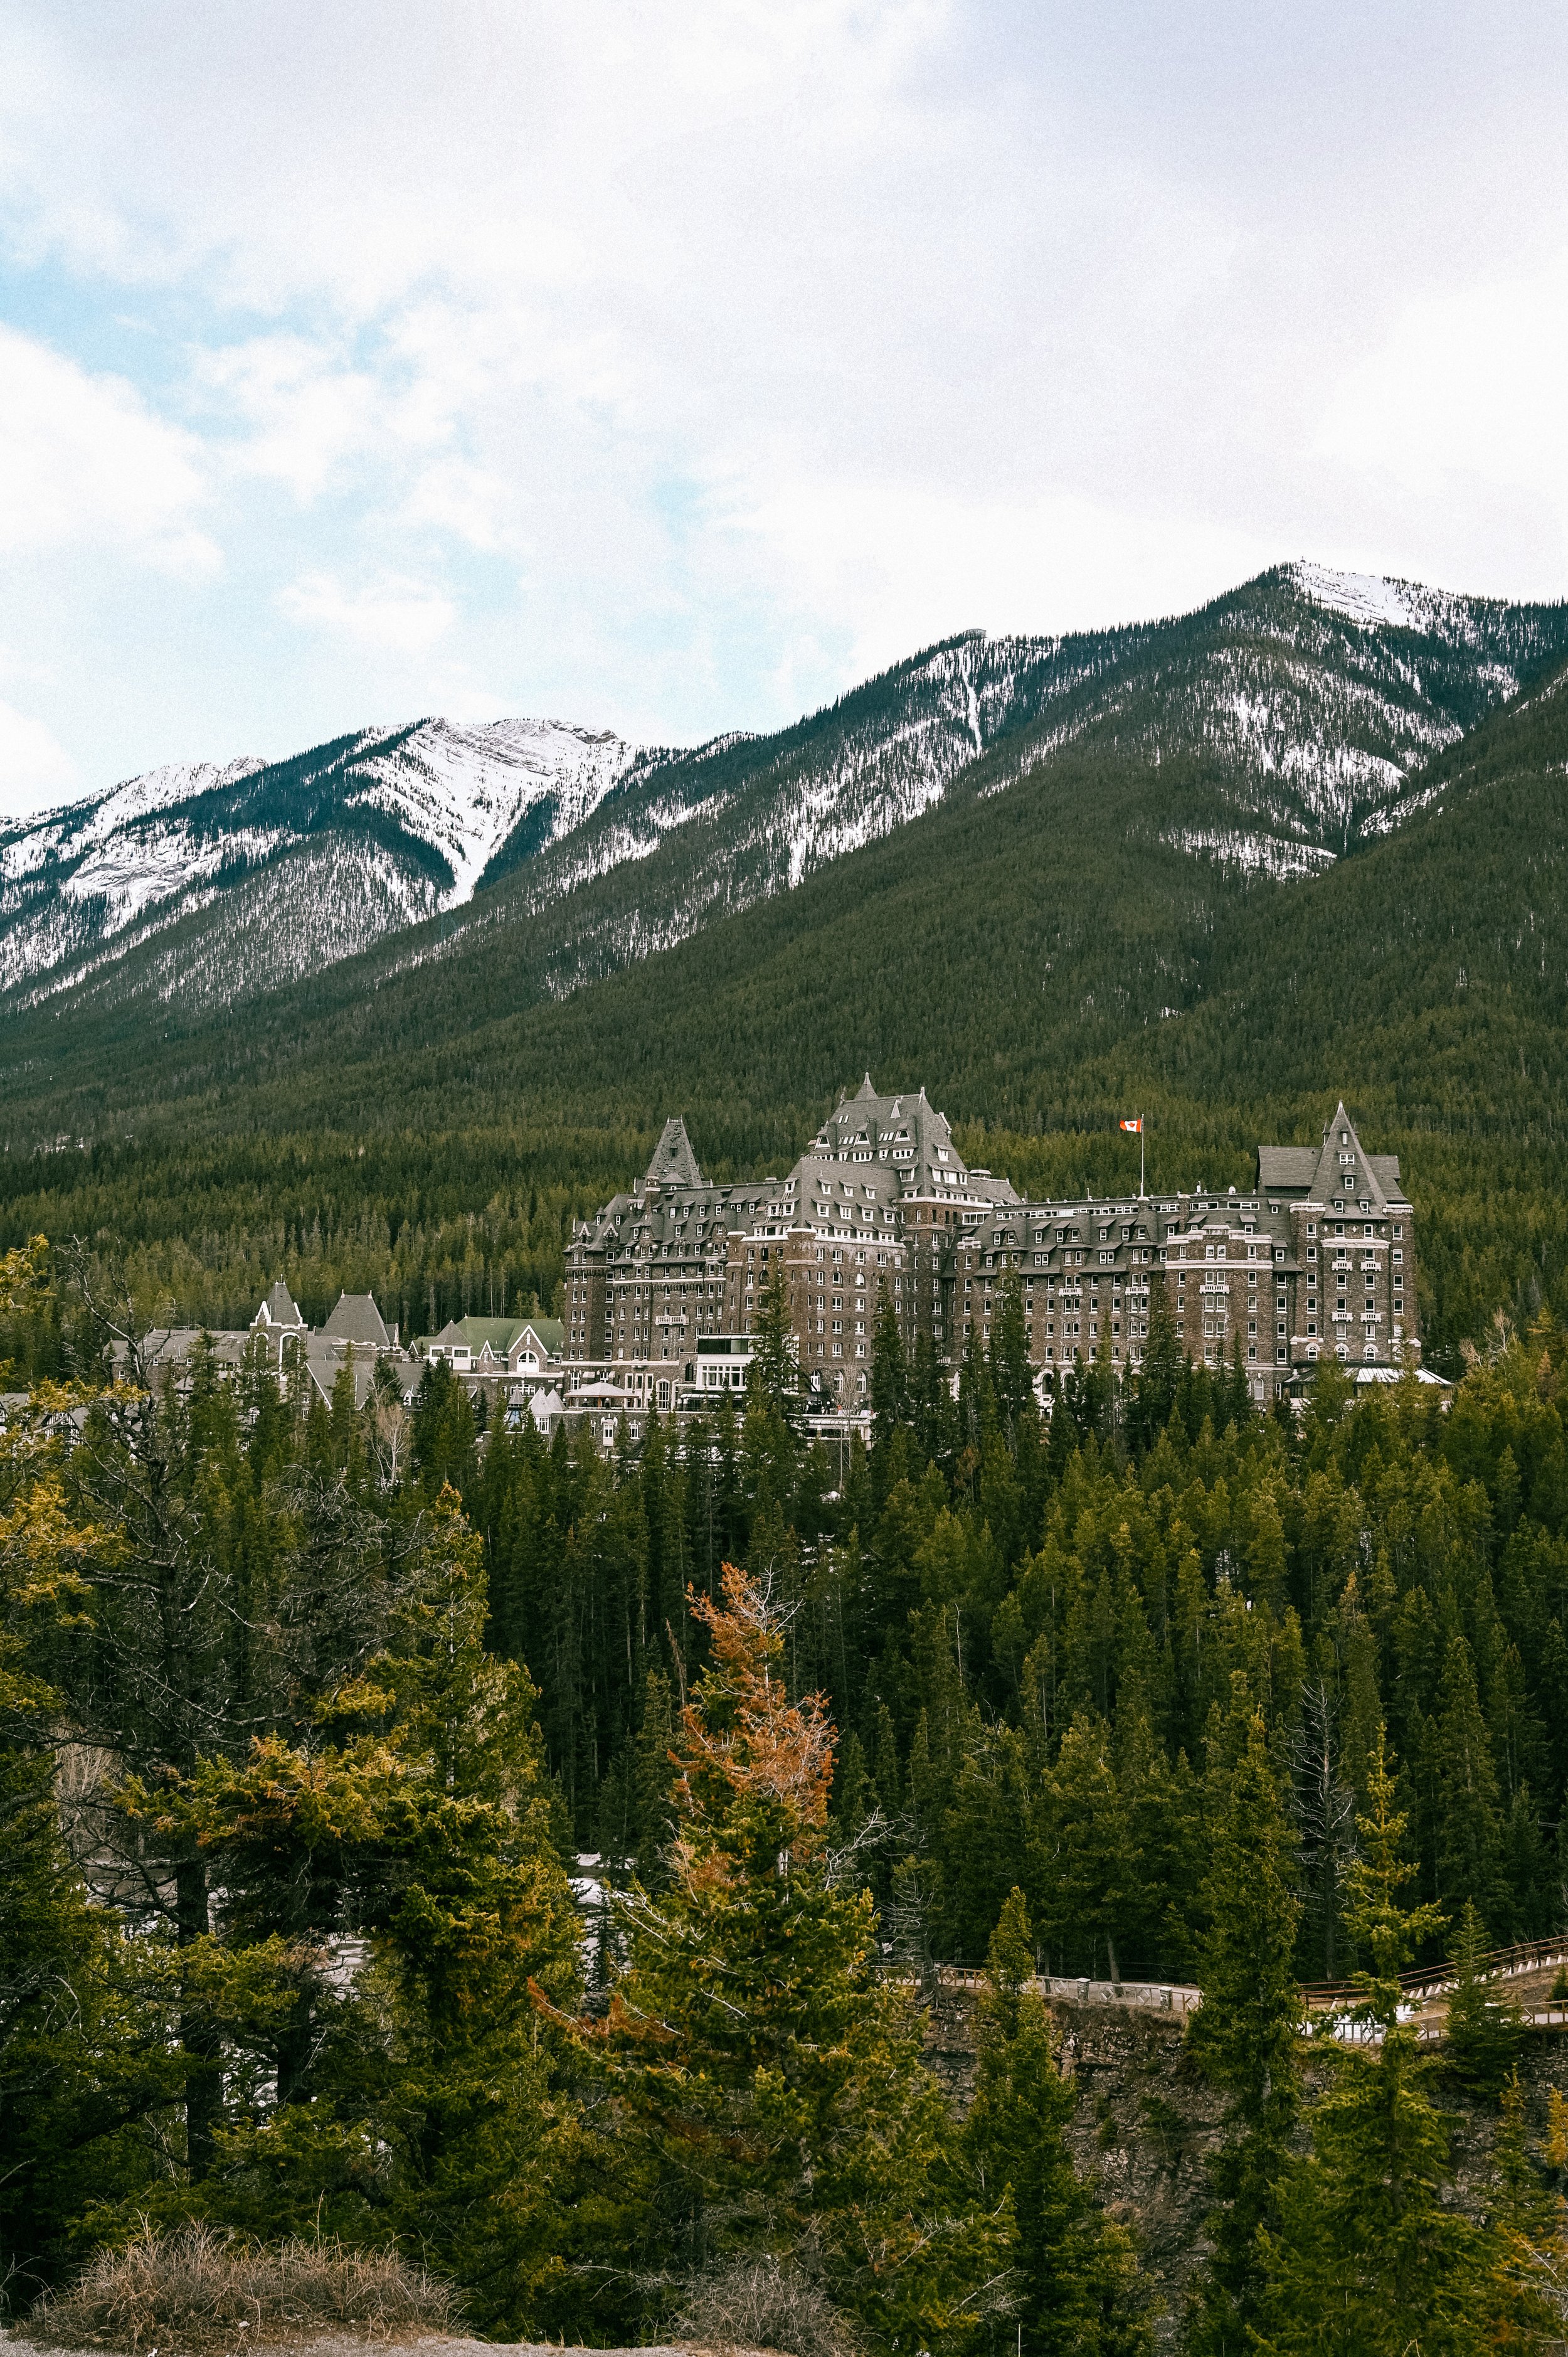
1042	960
544	1856
313	1713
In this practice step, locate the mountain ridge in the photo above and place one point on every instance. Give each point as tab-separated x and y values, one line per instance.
1306	697
1044	959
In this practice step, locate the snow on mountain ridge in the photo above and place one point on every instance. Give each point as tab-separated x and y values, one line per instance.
78	884
71	829
1310	710
464	790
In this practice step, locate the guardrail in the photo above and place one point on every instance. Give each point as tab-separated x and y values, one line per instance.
1436	1980
1073	1988
1418	1988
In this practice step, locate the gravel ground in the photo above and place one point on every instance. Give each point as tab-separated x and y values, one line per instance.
342	2344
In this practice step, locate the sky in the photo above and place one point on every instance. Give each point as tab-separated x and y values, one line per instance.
668	368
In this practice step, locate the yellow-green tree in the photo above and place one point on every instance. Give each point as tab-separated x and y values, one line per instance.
767	2091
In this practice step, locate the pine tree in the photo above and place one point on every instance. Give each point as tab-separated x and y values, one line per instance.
1076	2290
1154	1386
1481	2037
1469	1839
421	2102
774	1375
1012	1373
770	2083
1245	2037
1367	2260
889	1394
1532	2221
91	2074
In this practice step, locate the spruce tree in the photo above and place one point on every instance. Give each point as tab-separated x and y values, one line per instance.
1076	2288
774	1375
1532	2221
91	2074
1368	2258
1154	1386
1245	2037
1481	2037
1468	1822
1011	1373
767	2082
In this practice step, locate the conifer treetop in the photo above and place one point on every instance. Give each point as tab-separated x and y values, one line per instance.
742	1741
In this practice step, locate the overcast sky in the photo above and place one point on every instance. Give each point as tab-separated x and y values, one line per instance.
668	368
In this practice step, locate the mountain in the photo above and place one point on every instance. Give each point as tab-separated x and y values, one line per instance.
1094	915
1306	696
209	883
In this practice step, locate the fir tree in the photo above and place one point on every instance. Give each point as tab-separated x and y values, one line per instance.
774	1375
1531	2219
1012	1374
1481	2037
1076	2290
1368	2259
770	2086
1245	2035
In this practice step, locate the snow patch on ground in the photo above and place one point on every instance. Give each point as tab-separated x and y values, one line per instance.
1261	855
1364	596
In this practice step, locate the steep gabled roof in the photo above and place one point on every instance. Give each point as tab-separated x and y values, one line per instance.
279	1308
550	1333
1339	1166
674	1163
357	1320
1344	1169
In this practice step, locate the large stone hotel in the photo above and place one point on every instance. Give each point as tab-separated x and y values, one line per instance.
1318	1258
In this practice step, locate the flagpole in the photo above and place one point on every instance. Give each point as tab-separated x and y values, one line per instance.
1140	1157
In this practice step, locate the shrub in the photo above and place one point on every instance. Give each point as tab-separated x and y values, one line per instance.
199	2289
753	2302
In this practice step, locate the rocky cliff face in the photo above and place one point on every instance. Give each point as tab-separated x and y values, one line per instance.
1147	2121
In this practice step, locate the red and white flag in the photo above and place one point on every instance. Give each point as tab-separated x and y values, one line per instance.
1136	1126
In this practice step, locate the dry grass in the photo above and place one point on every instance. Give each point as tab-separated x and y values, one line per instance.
198	2291
753	2303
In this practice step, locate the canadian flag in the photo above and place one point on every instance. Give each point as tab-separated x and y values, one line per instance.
1136	1126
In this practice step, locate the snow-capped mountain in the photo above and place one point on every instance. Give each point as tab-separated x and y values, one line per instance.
312	858
1285	719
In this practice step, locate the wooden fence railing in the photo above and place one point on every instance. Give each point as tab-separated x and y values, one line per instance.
1436	1980
1420	1989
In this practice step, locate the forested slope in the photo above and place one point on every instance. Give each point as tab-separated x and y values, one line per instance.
1043	959
1165	1687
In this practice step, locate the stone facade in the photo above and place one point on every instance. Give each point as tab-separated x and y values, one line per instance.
1319	1258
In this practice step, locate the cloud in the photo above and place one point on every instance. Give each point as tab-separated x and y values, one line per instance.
1465	383
300	415
83	460
389	617
708	352
896	566
33	767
